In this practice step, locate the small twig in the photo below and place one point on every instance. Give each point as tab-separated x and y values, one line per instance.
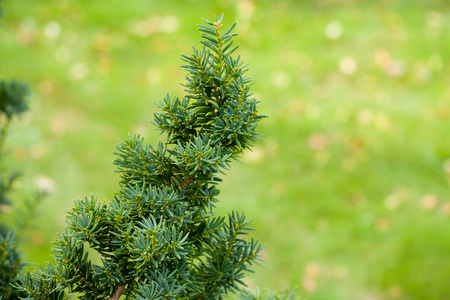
120	291
185	184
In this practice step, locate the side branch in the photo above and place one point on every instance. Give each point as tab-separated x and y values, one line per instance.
187	182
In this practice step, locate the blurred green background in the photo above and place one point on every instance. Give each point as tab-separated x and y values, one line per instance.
349	189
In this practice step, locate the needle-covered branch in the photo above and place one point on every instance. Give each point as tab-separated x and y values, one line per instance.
158	238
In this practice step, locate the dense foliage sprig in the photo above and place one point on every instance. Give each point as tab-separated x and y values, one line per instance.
158	238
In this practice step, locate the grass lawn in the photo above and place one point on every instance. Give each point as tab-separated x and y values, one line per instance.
349	189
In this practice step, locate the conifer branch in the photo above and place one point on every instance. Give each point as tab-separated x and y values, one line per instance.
158	238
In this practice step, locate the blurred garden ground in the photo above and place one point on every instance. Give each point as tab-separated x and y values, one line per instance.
349	189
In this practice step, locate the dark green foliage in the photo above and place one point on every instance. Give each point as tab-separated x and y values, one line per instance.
12	98
10	264
158	238
12	103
